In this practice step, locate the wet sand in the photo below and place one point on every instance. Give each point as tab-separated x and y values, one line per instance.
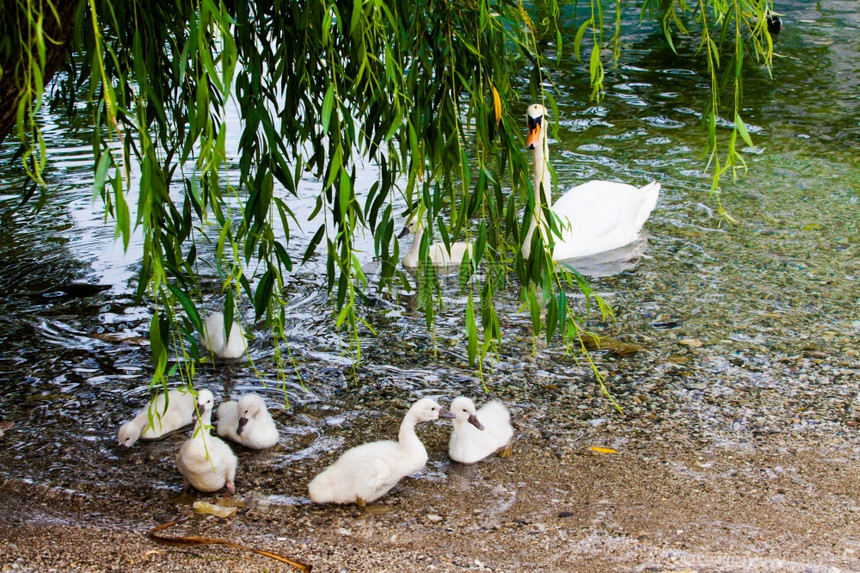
784	502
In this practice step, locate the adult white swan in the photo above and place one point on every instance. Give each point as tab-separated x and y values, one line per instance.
594	217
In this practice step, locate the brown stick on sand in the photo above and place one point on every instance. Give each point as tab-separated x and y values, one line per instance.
153	534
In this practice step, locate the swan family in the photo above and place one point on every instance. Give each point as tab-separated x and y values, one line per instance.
360	475
594	217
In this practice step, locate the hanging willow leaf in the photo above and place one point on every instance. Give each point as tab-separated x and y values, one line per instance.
319	88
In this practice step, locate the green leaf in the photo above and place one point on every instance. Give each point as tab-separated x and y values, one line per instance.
551	318
742	129
313	244
328	103
188	306
471	330
577	40
263	294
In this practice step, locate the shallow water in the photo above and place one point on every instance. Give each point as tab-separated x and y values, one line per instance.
727	316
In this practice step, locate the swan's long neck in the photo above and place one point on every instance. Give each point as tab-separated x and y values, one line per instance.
407	438
542	190
411	258
543	180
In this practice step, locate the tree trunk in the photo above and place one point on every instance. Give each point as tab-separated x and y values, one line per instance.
57	34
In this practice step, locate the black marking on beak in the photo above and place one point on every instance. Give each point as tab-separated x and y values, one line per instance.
242	421
406	230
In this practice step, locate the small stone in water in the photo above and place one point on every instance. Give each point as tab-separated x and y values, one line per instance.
434	518
691	342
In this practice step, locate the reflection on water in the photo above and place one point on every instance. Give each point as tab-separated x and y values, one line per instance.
729	307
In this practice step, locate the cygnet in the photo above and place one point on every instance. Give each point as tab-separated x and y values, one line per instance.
247	422
366	472
167	415
206	461
478	434
213	340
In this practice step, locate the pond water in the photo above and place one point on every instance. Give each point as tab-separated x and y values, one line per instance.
723	314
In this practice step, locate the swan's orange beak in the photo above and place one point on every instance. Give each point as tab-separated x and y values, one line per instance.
534	132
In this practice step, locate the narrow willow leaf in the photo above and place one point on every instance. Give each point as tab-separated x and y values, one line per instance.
534	310
577	40
264	293
188	306
471	330
742	129
497	104
101	174
328	103
123	217
551	318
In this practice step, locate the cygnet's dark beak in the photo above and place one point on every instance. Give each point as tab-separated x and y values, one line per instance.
201	408
242	421
473	419
447	414
406	230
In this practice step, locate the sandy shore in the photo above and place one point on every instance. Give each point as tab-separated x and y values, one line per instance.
784	505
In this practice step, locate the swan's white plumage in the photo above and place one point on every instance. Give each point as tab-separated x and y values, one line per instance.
179	412
468	443
594	217
248	422
206	461
367	472
217	343
437	254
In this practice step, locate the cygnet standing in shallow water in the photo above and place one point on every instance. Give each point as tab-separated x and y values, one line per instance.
206	461
366	473
247	422
213	340
167	416
478	434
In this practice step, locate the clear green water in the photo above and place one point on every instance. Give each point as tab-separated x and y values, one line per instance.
780	284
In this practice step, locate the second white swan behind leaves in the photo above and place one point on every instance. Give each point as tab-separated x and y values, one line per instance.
437	254
596	216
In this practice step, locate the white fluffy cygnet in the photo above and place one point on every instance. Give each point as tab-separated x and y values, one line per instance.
217	343
206	461
247	422
166	415
366	473
478	434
